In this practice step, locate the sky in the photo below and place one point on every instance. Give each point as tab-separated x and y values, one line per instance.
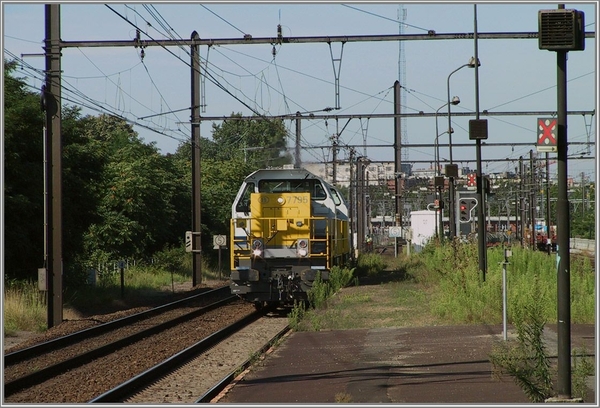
153	92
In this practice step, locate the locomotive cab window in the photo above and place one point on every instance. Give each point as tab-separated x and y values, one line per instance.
319	192
336	198
244	204
314	187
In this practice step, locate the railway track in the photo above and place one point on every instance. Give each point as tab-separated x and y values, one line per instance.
78	367
201	371
13	358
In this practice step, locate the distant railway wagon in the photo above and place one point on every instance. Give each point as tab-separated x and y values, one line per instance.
288	226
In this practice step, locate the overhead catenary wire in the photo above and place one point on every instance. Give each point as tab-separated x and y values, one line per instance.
81	99
385	18
221	18
118	86
238	64
251	97
260	79
208	74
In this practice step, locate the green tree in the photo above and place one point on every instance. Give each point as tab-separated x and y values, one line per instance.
23	178
583	220
138	195
82	171
259	142
219	183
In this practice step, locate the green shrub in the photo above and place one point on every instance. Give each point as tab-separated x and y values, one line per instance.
583	367
296	315
319	293
341	277
172	259
369	264
525	359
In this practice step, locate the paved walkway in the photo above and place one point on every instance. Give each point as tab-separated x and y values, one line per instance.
440	364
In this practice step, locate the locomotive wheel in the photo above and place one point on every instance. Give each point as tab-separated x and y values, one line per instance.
259	305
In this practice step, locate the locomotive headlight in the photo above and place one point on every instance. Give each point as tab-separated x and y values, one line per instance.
257	247
302	249
281	201
299	223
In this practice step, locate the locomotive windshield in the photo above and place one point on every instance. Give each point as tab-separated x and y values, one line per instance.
313	187
244	204
336	198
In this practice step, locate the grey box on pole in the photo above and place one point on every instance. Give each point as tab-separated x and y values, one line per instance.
438	181
452	170
561	30
478	129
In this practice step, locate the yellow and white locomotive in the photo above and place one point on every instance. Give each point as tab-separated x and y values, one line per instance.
287	227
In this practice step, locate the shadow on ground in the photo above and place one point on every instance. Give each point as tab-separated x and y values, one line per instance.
113	300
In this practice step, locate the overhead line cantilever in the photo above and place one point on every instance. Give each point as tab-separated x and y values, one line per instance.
304	40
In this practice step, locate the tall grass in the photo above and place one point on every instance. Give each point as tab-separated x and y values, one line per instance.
462	296
137	282
24	308
322	290
319	293
525	359
369	264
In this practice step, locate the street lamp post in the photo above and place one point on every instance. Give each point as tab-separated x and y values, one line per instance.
452	218
455	101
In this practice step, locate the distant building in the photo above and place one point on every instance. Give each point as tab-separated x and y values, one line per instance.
376	174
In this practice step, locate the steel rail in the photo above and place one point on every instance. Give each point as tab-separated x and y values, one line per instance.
212	393
60	342
42	375
131	386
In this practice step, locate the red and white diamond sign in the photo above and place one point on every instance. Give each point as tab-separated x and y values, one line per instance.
471	180
547	130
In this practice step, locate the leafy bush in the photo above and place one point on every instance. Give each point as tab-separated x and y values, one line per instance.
296	315
525	359
172	259
369	264
319	293
340	277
